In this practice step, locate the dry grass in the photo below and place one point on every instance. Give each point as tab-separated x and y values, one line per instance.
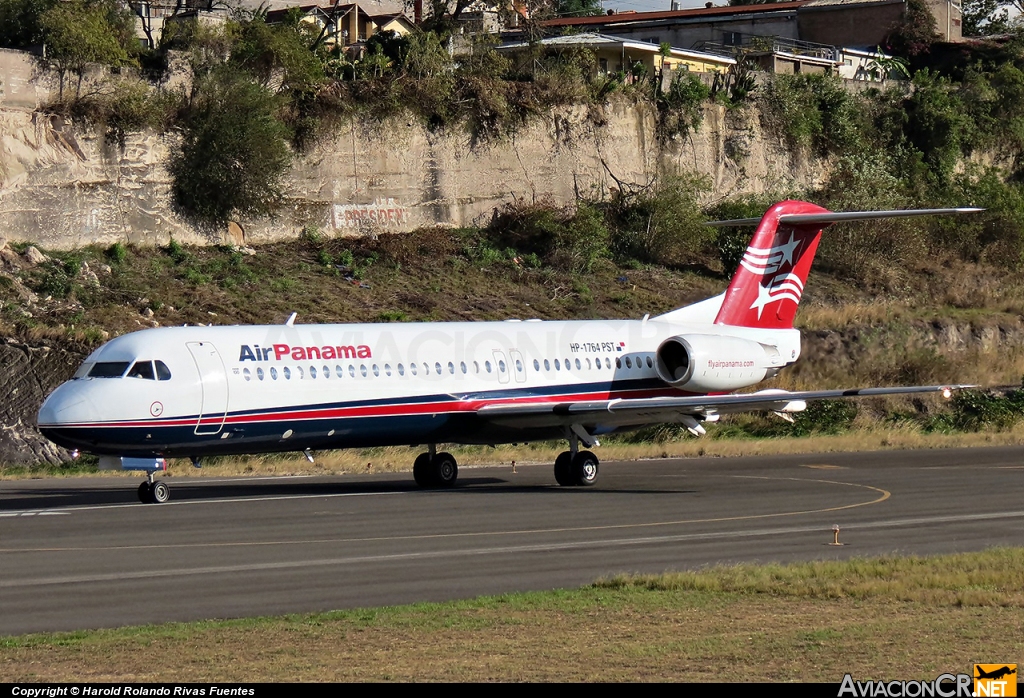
869	436
882	619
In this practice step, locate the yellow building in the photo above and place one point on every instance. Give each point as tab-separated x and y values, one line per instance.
345	24
615	54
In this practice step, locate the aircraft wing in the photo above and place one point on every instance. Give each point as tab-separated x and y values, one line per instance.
621	412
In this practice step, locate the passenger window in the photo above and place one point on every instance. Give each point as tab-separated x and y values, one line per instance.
558	366
362	369
462	365
376	371
578	367
142	369
273	373
247	373
162	372
451	368
312	371
607	362
387	369
618	363
476	367
327	372
588	362
501	366
547	365
401	370
287	373
301	373
108	369
259	373
352	370
412	369
437	365
650	364
629	362
487	365
426	369
536	365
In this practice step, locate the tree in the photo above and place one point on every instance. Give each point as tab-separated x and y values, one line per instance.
985	17
233	150
915	32
277	54
79	32
19	22
578	8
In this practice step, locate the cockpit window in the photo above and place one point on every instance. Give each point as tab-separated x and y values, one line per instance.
83	370
142	369
108	369
162	372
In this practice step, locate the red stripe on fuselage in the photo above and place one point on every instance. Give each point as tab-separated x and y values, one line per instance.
393	409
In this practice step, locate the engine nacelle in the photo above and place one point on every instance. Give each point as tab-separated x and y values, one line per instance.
712	363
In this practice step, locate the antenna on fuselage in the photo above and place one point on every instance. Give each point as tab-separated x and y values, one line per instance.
291	320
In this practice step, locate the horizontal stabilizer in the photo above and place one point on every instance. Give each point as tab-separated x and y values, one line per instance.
832	217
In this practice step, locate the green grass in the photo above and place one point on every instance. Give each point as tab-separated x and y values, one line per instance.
888	617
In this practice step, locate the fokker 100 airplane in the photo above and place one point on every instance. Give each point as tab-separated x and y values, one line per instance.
206	391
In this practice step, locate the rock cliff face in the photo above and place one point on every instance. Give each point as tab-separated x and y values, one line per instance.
64	186
28	374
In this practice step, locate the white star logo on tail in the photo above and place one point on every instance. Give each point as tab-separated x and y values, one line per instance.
767	261
780	288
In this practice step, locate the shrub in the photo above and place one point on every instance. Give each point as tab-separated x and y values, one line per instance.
569	239
682	105
233	151
663	226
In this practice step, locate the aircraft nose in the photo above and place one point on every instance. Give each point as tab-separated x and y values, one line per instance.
65	405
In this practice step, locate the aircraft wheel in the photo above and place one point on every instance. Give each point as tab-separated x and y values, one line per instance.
161	493
563	469
584	468
146	493
422	470
446	469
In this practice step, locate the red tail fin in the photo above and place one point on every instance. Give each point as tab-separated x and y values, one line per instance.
767	286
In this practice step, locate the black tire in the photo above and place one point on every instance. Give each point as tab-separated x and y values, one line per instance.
446	469
563	469
146	493
584	468
422	470
160	492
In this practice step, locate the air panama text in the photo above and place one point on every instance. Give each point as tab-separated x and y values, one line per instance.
279	352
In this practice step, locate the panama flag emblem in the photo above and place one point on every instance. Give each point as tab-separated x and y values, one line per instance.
769	264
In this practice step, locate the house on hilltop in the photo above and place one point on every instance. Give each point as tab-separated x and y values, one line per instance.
856	23
614	54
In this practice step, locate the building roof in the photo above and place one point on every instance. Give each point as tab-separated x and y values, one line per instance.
816	4
325	9
700	12
595	40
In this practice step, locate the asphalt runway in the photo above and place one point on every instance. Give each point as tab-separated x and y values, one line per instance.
84	553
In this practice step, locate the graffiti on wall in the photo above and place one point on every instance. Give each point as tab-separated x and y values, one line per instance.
382	214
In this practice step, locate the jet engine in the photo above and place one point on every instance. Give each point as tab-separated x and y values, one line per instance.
713	363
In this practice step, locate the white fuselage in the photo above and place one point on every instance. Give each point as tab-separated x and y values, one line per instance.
244	389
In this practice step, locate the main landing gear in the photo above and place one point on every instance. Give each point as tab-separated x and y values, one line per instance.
434	469
576	467
153	491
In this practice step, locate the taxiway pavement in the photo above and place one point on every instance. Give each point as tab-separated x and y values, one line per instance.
84	553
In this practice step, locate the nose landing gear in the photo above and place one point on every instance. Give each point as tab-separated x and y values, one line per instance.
153	491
